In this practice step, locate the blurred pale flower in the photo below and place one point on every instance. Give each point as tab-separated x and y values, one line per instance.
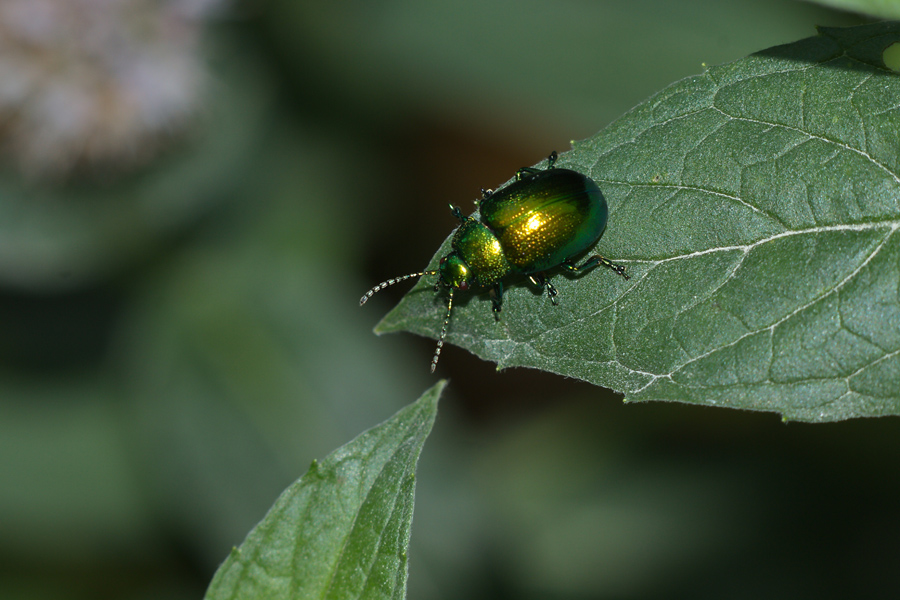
96	83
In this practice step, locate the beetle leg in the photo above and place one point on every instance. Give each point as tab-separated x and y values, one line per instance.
542	281
457	212
592	262
497	299
551	160
551	291
526	172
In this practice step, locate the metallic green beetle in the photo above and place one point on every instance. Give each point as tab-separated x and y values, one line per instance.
543	219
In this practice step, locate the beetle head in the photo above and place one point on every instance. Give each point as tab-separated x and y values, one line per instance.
454	272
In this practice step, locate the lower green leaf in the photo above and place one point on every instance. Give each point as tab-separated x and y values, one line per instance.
342	530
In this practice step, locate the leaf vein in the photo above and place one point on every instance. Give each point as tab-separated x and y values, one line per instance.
771	327
822	138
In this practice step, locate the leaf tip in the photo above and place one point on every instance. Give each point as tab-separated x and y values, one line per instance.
891	57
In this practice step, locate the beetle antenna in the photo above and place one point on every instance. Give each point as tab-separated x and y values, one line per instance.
440	344
391	282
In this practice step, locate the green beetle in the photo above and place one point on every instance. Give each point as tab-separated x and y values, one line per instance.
542	220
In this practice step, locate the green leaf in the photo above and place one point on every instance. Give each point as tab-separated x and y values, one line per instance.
757	208
342	530
887	9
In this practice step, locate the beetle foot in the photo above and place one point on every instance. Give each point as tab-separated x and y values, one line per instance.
551	160
620	270
552	292
457	212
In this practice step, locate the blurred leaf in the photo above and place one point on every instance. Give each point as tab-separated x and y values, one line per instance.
756	208
589	63
342	530
237	351
580	512
887	9
69	489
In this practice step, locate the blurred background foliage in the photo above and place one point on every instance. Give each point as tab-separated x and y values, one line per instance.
193	196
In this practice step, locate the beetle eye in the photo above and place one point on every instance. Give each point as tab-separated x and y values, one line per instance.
443	260
463	285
